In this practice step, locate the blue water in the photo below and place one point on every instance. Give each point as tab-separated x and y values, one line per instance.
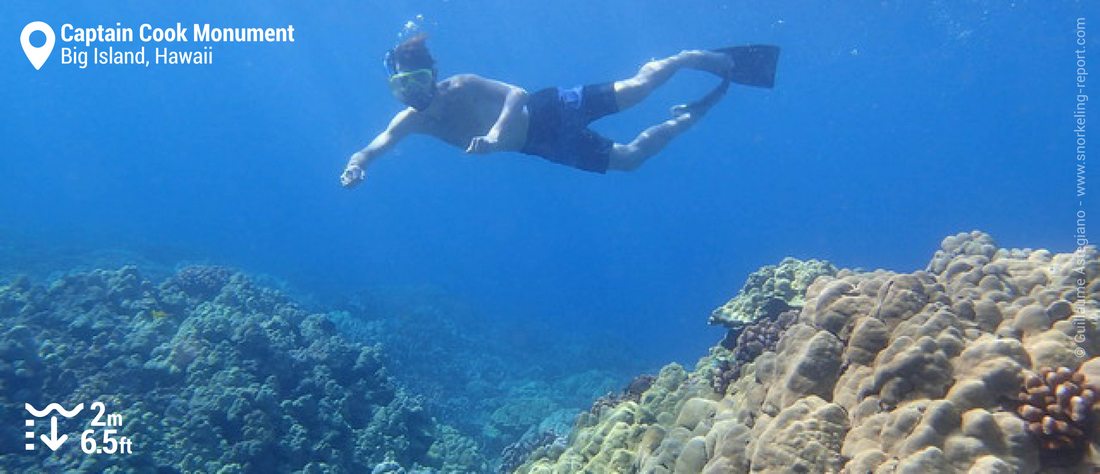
892	125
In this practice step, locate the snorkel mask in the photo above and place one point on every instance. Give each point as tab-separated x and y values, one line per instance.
416	88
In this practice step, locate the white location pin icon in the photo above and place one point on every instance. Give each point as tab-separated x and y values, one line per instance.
37	55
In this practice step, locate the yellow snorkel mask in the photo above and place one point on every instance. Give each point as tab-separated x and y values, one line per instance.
415	88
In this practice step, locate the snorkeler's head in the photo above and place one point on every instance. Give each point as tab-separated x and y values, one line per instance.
412	72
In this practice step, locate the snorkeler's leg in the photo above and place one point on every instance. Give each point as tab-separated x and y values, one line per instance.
650	142
653	74
701	106
631	156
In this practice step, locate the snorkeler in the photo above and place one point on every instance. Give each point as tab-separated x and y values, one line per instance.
484	116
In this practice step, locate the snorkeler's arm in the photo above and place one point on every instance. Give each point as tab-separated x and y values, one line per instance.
514	100
401	126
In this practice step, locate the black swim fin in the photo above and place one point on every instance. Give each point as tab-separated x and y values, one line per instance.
754	64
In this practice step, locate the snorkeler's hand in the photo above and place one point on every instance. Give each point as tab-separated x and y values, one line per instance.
482	145
352	175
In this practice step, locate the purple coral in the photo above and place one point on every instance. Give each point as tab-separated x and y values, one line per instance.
747	344
638	386
1057	405
762	336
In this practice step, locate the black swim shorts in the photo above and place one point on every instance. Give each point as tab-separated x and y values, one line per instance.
558	128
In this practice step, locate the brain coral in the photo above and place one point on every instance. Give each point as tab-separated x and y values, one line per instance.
881	372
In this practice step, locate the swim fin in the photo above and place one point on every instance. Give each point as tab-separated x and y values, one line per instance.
754	64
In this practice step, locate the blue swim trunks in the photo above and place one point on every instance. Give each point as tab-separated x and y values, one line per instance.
558	127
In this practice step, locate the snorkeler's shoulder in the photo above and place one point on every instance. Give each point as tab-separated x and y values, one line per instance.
459	81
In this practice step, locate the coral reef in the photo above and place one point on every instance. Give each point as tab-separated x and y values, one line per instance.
981	362
233	377
880	372
771	290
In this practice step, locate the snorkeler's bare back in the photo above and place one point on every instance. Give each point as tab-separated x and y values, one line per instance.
467	106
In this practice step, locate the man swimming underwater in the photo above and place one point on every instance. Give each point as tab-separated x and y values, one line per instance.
485	116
